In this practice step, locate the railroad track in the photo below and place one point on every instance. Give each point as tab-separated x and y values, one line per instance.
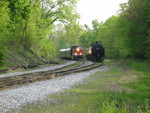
8	82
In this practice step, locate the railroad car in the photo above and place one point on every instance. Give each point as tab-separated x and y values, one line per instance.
95	53
73	53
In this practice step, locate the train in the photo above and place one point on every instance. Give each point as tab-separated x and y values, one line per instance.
73	53
95	52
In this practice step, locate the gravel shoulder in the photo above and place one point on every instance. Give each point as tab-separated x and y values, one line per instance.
15	98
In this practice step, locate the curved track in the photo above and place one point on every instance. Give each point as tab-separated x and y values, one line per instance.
7	82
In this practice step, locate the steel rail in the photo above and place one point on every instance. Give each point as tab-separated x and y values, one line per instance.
32	77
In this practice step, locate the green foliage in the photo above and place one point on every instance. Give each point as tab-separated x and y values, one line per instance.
146	11
86	37
47	49
4	32
73	31
90	35
136	39
124	35
28	24
4	19
110	107
109	37
1	58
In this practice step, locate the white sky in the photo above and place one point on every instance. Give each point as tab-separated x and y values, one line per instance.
97	9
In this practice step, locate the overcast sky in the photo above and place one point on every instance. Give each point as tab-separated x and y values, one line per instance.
97	9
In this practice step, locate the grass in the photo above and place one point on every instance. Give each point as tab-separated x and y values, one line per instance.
125	88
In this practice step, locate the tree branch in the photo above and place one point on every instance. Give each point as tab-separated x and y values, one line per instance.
55	19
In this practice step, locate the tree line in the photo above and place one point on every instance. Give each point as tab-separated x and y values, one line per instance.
126	35
29	24
45	26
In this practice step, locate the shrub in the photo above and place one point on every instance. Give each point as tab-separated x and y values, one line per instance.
1	57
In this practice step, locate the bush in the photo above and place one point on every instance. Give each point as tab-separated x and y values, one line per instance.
1	58
108	107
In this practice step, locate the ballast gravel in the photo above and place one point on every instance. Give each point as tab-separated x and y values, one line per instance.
15	98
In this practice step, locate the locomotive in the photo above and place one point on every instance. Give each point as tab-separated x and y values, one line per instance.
73	53
95	53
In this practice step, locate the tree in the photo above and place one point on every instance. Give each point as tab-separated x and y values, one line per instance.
136	40
90	35
4	32
30	22
4	19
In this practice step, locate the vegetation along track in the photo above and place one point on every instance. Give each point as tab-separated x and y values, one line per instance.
7	82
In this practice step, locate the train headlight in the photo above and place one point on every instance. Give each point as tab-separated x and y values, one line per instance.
89	51
78	49
75	54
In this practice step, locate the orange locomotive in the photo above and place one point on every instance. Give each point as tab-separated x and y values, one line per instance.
73	53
